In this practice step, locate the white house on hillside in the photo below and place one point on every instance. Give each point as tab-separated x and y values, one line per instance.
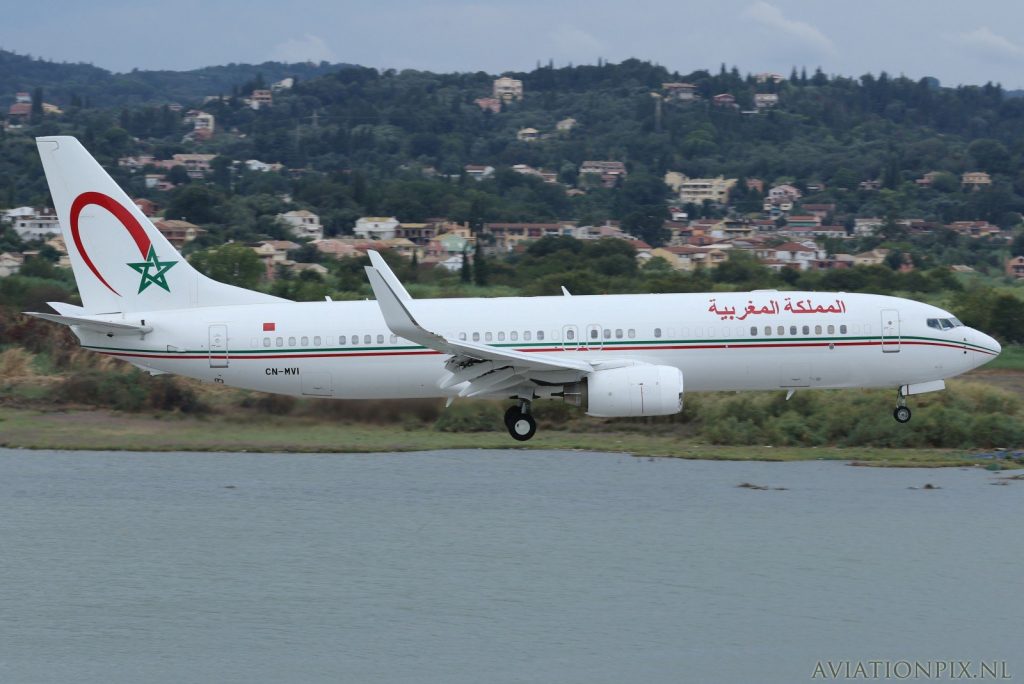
303	224
376	227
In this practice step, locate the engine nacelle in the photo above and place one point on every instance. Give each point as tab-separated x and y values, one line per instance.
629	391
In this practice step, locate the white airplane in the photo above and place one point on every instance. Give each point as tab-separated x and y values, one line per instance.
612	355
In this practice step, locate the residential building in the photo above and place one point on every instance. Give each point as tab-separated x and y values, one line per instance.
566	125
19	112
870	185
755	184
927	179
697	190
147	206
261	99
417	233
784	192
376	227
338	248
508	89
303	224
178	233
274	251
875	257
479	172
158	181
819	210
724	100
488	104
196	164
528	134
283	84
814	231
975	180
974	229
201	121
683	92
33	224
1015	267
769	77
609	172
867	226
507	236
799	255
797	220
765	100
262	167
526	170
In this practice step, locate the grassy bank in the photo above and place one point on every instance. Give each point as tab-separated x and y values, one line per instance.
109	430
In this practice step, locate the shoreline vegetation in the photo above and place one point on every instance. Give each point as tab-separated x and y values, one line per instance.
61	397
106	430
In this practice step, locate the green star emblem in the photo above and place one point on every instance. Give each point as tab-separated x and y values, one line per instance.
146	268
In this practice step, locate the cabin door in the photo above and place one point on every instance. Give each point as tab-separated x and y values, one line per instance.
890	330
570	338
218	346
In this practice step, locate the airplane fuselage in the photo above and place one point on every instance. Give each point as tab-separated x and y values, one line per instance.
720	341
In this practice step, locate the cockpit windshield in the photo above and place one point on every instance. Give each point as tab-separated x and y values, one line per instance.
944	323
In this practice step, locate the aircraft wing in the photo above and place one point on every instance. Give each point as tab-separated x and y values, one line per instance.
479	368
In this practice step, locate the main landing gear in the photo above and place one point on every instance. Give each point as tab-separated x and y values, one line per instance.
901	413
519	422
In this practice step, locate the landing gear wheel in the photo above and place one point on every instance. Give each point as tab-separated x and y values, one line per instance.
901	414
511	415
523	427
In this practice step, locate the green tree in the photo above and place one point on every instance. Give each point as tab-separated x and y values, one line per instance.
233	263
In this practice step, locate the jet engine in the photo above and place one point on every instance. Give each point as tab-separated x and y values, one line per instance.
639	390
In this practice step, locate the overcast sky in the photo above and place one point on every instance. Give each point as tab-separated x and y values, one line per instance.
970	42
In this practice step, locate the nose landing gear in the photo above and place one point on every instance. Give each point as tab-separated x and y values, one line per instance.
521	425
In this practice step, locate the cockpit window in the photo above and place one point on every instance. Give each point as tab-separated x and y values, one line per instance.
944	323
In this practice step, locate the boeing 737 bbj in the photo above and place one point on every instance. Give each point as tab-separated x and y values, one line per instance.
612	355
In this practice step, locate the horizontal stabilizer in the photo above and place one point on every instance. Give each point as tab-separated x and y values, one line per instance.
109	328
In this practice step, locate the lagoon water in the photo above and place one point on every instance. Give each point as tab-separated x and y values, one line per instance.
494	566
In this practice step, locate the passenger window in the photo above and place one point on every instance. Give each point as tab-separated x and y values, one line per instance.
367	339
279	341
631	333
767	331
842	330
488	337
593	333
607	334
831	330
341	339
527	335
807	330
501	337
266	341
316	341
540	335
291	341
462	336
792	330
657	332
817	330
618	333
476	337
753	331
513	336
380	339
355	339
570	334
781	330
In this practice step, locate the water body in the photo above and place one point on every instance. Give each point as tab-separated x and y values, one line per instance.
494	566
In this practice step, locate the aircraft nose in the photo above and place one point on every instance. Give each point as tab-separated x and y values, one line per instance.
988	343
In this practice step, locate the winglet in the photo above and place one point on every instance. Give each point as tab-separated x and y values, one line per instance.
396	316
389	276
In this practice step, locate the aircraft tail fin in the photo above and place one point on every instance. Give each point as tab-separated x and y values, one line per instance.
121	262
